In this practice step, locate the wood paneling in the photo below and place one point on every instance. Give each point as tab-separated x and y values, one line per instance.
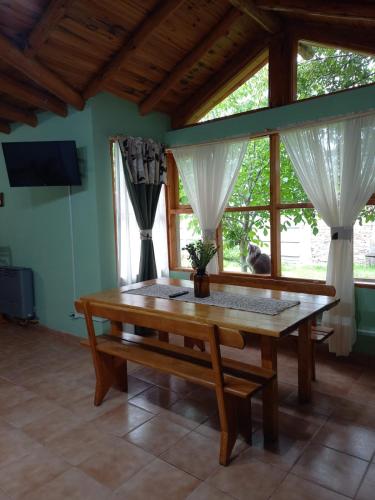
166	55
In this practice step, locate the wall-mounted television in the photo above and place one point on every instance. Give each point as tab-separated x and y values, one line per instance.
47	163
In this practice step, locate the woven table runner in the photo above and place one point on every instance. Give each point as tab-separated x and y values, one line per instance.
270	307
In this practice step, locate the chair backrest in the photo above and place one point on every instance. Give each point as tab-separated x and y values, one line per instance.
195	329
285	285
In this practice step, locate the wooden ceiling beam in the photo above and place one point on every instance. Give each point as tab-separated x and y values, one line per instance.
360	40
55	11
137	40
4	127
31	95
180	70
38	73
268	21
351	11
238	70
15	114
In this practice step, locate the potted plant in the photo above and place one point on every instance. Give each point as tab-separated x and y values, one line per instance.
199	254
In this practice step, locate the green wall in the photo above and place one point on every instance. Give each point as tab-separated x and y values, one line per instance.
35	222
267	120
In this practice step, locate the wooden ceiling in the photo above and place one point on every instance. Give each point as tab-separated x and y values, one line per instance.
180	57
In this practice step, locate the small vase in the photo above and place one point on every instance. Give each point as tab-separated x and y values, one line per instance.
201	285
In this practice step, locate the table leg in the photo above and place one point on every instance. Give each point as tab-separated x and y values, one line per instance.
304	362
270	392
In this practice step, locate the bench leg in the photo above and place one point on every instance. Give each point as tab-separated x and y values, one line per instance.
228	413
110	372
244	419
270	391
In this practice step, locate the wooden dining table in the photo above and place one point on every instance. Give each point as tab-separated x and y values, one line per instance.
270	329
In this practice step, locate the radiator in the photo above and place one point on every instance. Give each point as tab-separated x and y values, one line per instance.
17	292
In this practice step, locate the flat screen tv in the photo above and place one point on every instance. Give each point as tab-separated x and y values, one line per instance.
47	163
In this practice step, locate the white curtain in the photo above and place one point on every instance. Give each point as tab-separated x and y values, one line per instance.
335	164
208	173
127	234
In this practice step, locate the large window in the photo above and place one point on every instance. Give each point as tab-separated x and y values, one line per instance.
323	70
268	209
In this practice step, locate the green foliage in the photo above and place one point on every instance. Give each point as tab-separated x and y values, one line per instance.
200	254
329	70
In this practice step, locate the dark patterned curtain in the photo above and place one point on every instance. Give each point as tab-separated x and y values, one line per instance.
145	172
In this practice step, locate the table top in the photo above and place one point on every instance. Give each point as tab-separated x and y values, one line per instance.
248	322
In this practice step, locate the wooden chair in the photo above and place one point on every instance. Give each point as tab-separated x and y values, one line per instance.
233	390
319	333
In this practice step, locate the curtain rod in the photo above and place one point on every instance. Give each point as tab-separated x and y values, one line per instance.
272	131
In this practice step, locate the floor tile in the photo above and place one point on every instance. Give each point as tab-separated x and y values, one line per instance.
343	435
27	411
157	481
14	445
367	489
122	419
49	426
86	410
253	480
296	488
194	454
73	484
115	464
11	395
78	443
156	435
207	492
155	399
30	472
193	409
331	469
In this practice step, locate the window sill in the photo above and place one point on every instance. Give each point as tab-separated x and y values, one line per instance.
357	283
364	284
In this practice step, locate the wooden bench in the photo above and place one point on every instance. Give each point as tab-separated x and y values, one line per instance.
319	333
234	382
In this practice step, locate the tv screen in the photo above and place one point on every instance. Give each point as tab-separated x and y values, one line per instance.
48	163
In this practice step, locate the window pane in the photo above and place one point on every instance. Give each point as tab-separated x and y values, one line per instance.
291	190
182	198
239	229
187	230
252	187
305	240
364	244
253	94
322	70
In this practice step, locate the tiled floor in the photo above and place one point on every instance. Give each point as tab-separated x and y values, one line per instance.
160	441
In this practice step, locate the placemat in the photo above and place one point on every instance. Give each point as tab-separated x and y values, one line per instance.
270	307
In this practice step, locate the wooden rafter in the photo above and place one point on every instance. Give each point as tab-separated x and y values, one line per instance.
240	68
282	69
353	11
137	40
15	114
4	127
54	13
189	61
266	20
38	73
361	40
31	95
